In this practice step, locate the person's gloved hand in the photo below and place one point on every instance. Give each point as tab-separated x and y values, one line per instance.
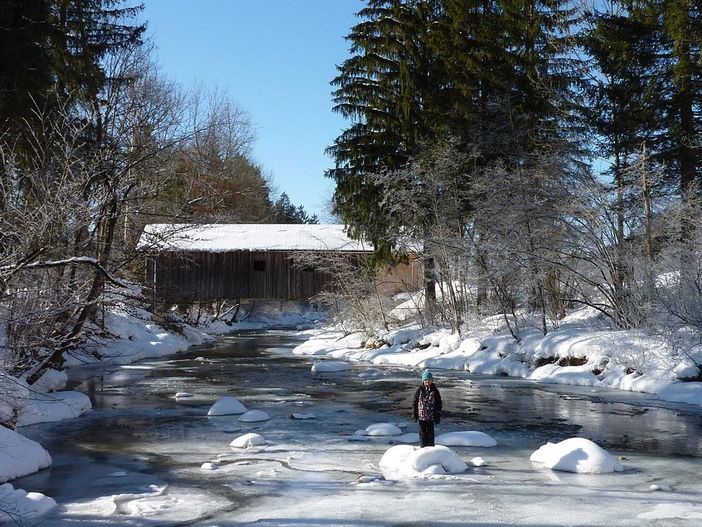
437	419
414	419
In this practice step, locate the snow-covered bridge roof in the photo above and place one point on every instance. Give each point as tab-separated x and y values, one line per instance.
248	237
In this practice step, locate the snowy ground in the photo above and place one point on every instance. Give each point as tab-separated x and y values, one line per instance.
622	360
335	477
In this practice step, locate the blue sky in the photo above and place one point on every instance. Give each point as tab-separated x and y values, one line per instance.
275	58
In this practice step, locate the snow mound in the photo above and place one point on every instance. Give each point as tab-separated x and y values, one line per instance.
329	366
19	505
20	456
247	440
465	438
183	395
227	406
14	395
209	466
253	416
395	456
56	406
411	461
51	381
576	455
382	429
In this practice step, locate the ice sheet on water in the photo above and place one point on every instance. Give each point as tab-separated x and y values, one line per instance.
158	505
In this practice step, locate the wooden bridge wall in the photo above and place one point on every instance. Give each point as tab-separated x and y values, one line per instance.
193	276
202	276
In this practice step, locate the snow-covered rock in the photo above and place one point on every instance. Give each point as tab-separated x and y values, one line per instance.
227	406
20	456
395	456
329	366
247	441
56	406
576	455
465	438
253	416
383	429
410	461
20	507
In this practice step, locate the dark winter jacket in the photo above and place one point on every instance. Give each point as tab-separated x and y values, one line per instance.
427	404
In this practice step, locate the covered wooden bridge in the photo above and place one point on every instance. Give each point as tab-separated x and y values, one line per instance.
191	263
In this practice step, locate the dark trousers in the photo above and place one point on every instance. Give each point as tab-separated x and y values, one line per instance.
426	433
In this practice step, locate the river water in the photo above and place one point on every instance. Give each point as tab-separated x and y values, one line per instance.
136	458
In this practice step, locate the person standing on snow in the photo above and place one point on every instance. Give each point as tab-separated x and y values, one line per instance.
426	409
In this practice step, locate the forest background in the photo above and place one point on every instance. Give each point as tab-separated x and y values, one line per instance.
546	153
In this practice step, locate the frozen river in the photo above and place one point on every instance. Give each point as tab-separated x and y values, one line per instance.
137	458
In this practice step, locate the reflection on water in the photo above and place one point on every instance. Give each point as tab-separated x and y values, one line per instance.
137	423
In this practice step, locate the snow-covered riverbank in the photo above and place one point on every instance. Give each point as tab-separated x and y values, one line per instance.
580	352
130	335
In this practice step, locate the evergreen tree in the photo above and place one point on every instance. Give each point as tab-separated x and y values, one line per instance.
85	33
285	212
385	88
671	32
25	70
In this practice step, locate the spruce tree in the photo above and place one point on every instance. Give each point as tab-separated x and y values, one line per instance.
25	70
385	88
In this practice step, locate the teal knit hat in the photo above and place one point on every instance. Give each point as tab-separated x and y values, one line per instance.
426	374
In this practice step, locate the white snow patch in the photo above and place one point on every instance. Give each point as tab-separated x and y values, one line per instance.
56	406
247	441
20	456
253	416
576	455
410	461
329	366
19	506
466	438
227	406
383	429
